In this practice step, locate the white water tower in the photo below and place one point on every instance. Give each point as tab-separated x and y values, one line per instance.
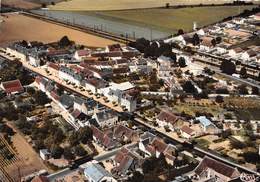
195	26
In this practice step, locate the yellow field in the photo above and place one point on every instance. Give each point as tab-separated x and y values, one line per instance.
18	27
91	5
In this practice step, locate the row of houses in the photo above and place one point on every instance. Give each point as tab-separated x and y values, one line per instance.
79	112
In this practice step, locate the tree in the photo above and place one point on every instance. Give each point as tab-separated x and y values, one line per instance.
80	151
64	42
218	40
243	72
219	99
56	151
68	154
213	42
167	5
180	32
196	39
182	62
30	90
228	67
255	91
58	136
40	98
188	87
242	89
44	5
85	134
137	176
73	139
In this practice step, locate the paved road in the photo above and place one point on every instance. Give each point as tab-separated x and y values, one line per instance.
217	70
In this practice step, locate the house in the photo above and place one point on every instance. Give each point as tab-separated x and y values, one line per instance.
41	83
126	160
12	87
81	54
168	119
96	173
121	94
45	154
94	84
210	169
85	106
206	44
70	74
125	134
170	154
66	101
34	60
246	56
53	68
79	118
206	124
187	132
106	118
235	53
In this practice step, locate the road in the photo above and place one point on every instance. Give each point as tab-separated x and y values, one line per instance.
99	158
217	70
70	87
189	147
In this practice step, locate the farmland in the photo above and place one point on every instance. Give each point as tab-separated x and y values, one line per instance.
18	27
171	20
90	5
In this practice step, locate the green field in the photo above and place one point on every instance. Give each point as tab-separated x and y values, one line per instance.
171	20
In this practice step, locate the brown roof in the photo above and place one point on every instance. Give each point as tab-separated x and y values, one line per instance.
12	86
251	53
40	179
187	130
238	50
168	117
83	52
114	47
97	133
121	130
159	145
217	166
53	65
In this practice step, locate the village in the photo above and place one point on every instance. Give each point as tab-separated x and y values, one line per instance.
182	109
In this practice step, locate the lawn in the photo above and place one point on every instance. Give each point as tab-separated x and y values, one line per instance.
173	19
90	5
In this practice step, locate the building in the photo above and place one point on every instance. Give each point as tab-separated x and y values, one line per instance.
12	87
210	169
69	74
121	94
206	124
80	55
106	118
85	106
168	119
96	173
45	154
187	132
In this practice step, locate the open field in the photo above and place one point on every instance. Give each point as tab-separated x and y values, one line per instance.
90	5
173	19
21	4
18	27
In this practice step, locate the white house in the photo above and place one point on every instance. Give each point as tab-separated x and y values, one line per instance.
105	118
66	73
187	132
235	53
45	154
81	54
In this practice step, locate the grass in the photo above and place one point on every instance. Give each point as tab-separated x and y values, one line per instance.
87	5
171	20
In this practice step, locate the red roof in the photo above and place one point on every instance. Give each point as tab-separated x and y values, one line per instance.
53	66
54	95
83	52
159	145
12	86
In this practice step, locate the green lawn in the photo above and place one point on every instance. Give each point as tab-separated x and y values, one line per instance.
172	19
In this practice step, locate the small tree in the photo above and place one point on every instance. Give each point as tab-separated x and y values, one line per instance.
219	99
228	67
80	151
56	151
255	91
243	72
167	5
182	62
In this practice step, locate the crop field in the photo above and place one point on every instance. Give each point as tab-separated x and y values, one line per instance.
19	27
90	5
171	20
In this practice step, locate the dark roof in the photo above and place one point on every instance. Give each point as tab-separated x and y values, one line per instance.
217	166
12	86
187	129
66	100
